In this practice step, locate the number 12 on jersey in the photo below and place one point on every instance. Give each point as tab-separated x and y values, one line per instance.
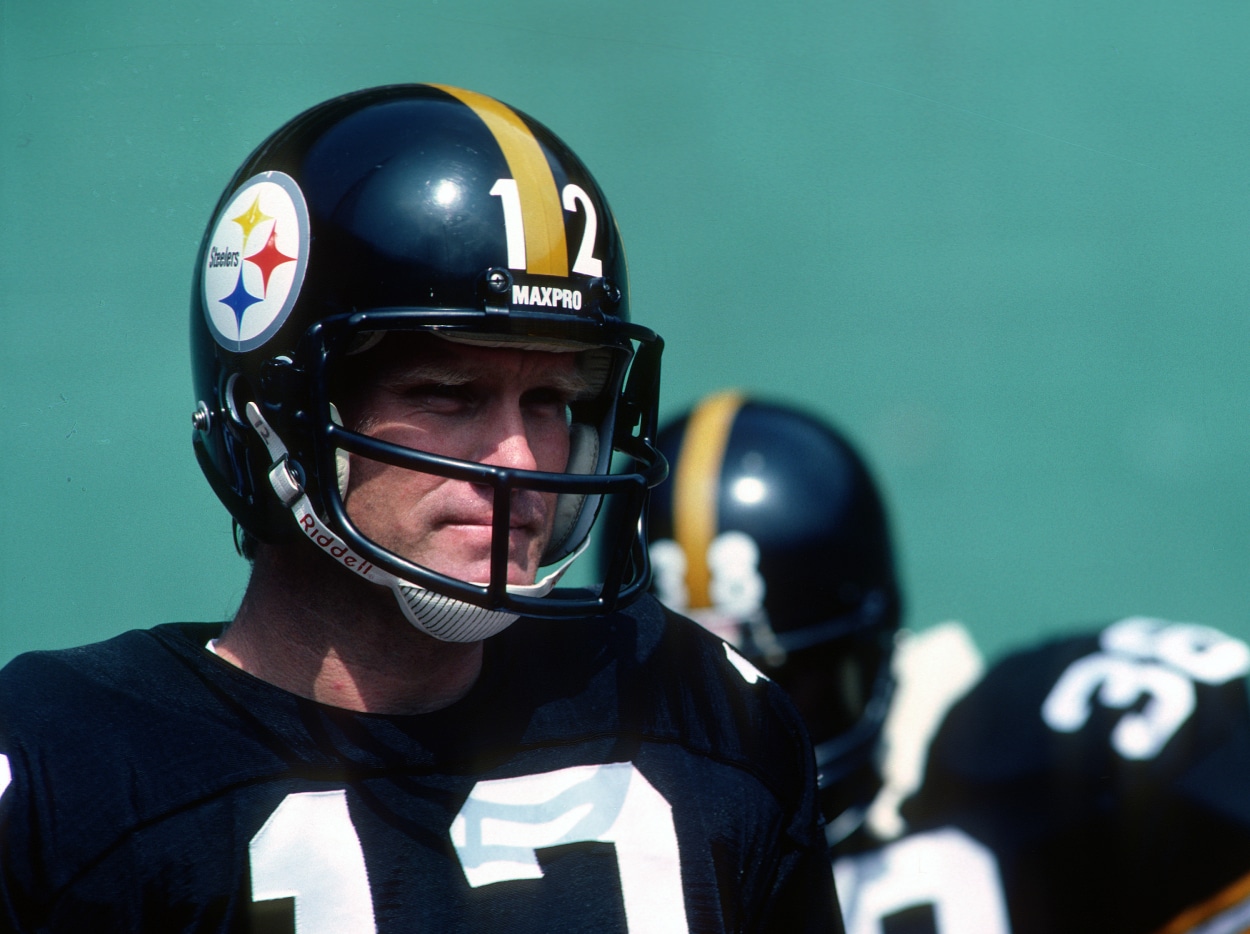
308	850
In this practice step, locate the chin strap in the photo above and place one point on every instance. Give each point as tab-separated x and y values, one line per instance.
435	614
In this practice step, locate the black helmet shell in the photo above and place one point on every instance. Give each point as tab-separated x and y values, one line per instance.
419	207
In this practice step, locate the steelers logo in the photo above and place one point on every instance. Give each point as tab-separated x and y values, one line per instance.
255	261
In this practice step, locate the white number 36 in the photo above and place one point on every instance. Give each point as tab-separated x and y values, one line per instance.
1148	662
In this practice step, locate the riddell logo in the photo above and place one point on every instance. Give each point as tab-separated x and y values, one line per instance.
331	545
255	261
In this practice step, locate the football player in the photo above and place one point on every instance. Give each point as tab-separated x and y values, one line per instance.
1092	783
771	532
414	366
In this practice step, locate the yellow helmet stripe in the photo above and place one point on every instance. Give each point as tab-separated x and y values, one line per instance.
546	251
696	485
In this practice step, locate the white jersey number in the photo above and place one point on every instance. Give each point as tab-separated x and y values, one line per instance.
945	873
1146	662
309	850
504	822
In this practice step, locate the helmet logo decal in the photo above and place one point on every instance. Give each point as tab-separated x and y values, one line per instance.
255	261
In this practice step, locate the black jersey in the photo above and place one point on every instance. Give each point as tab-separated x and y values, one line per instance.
1096	783
610	775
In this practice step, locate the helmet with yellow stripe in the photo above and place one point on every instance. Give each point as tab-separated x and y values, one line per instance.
431	209
772	533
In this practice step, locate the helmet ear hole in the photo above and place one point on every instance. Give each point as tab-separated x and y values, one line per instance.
583	458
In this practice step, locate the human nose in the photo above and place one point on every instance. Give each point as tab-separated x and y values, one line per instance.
506	439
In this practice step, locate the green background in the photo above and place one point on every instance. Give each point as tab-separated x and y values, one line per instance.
1003	244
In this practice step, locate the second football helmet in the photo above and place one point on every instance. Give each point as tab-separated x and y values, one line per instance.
772	533
428	209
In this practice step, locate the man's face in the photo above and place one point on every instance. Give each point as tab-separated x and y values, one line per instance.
502	407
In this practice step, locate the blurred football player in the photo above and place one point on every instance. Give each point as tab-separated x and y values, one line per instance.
770	531
1094	783
414	363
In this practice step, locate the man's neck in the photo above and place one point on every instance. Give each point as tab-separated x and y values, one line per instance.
313	629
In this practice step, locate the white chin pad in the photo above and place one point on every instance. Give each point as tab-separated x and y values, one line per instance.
449	619
452	620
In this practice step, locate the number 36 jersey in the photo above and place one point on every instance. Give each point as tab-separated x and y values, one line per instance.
617	775
1096	783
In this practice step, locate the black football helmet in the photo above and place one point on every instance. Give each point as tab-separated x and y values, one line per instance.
437	210
772	533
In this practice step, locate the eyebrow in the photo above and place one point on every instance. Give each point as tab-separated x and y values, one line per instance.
574	385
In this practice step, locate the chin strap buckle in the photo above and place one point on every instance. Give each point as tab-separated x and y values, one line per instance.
285	483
